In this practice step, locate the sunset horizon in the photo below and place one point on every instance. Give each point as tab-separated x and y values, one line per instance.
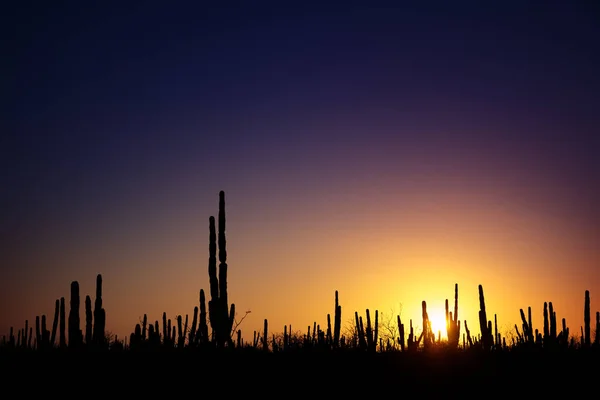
387	151
250	324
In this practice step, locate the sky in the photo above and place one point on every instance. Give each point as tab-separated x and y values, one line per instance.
386	150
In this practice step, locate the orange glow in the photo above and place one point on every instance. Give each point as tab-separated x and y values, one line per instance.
437	319
286	267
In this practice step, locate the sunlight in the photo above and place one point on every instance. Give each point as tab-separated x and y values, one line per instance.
437	317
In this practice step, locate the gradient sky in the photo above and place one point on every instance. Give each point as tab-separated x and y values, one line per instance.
387	152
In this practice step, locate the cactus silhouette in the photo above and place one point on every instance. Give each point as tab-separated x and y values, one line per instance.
202	335
54	323
62	337
597	336
220	316
452	321
586	320
75	336
426	326
487	340
144	327
26	336
553	331
98	336
265	337
337	327
401	341
88	320
192	334
38	333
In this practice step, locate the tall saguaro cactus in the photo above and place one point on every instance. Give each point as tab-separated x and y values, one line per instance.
487	340
62	342
221	318
54	323
75	336
337	324
202	334
597	338
99	315
88	320
426	326
452	321
586	320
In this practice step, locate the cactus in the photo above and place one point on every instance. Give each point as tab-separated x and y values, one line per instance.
45	333
564	333
38	333
426	326
54	323
180	332
452	321
497	341
586	320
375	331
552	315
487	340
165	328
202	326
98	337
411	336
185	329
337	322
401	333
221	318
469	338
25	344
144	326
370	334
369	331
153	335
527	328
62	337
135	339
75	336
329	337
530	323
360	331
265	345
546	325
192	334
597	336
88	320
519	337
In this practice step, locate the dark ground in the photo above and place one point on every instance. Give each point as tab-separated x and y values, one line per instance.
241	374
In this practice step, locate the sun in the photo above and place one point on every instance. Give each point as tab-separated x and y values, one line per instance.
437	319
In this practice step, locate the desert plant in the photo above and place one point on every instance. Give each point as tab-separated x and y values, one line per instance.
75	335
452	321
98	333
220	316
